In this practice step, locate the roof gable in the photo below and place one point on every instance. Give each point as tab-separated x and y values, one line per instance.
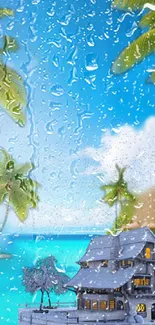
131	242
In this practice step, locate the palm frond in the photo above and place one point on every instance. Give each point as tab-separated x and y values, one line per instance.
23	168
5	155
110	198
135	52
3	193
130	4
107	187
129	196
6	12
10	44
20	202
12	94
148	20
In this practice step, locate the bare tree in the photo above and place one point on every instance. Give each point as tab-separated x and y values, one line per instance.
46	277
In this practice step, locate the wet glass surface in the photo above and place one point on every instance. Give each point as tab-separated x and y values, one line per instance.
72	108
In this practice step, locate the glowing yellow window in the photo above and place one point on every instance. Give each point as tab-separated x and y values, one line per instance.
87	304
147	252
104	263
137	282
140	308
126	263
112	304
94	304
117	290
103	304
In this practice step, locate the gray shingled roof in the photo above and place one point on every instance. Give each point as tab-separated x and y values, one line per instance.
126	252
101	278
131	243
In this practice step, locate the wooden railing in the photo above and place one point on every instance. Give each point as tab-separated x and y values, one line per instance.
57	304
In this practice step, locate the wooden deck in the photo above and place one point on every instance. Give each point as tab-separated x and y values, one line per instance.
65	316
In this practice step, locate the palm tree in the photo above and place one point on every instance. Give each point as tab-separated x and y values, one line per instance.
12	90
16	188
143	46
117	192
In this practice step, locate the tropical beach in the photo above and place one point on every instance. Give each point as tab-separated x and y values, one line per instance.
77	141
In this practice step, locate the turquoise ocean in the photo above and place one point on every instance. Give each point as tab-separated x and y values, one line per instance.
25	250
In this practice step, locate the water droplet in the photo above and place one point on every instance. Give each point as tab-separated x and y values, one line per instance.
61	131
55	41
90	79
90	26
49	127
91	63
90	40
65	20
35	2
55	106
72	56
57	90
53	175
51	12
73	77
93	1
91	13
55	61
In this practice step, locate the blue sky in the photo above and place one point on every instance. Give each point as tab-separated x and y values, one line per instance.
74	104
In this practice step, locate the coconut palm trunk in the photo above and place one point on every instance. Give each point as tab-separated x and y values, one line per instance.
116	212
5	217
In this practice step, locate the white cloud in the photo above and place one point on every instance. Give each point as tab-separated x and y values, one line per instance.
134	148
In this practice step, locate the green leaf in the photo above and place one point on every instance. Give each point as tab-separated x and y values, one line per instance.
148	20
107	187
3	193
129	196
4	158
131	4
10	44
135	52
5	155
23	168
12	94
10	165
111	197
6	12
20	202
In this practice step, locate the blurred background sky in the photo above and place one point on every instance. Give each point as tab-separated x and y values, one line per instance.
81	119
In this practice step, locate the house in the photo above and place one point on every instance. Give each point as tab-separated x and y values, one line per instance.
117	276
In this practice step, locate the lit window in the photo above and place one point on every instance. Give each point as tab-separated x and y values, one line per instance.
112	304
140	308
94	304
147	252
125	263
104	263
141	282
103	304
117	290
87	304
